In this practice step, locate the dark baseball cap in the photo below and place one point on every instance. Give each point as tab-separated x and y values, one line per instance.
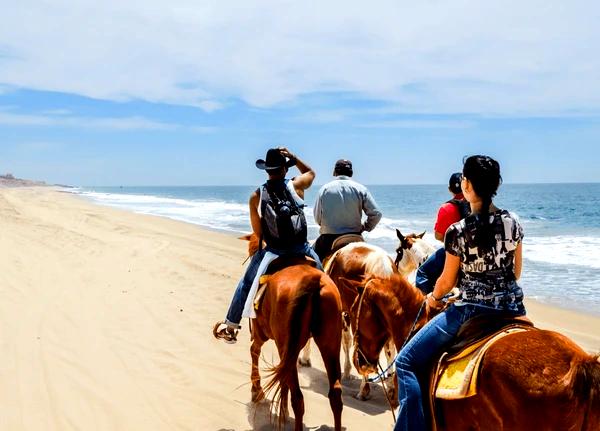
343	164
454	182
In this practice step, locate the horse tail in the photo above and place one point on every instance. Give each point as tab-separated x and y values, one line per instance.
300	317
586	388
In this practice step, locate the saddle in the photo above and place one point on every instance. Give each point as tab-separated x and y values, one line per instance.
277	265
344	240
339	243
455	375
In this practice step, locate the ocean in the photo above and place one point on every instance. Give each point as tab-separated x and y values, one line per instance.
561	254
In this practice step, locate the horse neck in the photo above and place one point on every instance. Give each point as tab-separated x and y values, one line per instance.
407	264
402	309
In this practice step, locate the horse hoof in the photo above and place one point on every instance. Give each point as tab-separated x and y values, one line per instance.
363	397
306	363
349	377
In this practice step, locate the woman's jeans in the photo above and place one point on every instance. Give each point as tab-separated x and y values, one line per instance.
234	314
416	359
430	271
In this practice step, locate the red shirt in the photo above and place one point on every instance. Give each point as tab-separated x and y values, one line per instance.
448	214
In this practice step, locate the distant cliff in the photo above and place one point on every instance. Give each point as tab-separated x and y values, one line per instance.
9	180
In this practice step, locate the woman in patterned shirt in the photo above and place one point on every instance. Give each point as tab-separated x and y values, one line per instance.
483	259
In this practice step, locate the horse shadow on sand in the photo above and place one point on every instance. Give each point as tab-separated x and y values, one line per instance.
261	418
317	382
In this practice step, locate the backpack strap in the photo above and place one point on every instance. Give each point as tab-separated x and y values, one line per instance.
463	206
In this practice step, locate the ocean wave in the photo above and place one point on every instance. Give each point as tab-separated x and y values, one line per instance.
564	250
572	250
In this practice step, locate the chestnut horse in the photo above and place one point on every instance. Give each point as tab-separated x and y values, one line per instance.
529	380
358	261
299	302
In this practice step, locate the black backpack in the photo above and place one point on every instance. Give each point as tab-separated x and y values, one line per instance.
282	219
464	208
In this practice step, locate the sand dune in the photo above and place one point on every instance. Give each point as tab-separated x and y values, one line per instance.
106	323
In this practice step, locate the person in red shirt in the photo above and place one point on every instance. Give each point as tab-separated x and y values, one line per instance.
450	212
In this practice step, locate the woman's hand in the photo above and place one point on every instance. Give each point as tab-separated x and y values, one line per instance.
433	304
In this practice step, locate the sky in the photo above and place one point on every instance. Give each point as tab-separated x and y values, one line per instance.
192	93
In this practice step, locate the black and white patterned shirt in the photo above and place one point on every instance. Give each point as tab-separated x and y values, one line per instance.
487	277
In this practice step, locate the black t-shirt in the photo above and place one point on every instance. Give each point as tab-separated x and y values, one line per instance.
486	276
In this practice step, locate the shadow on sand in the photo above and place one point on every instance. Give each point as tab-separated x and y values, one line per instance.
318	383
260	417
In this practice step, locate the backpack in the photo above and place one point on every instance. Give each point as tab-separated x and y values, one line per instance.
282	219
464	208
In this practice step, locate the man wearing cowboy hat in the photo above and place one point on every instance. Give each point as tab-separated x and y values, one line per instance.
265	226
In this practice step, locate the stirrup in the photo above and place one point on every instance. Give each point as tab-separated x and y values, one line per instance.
227	334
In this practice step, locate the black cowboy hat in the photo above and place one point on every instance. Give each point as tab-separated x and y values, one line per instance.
274	160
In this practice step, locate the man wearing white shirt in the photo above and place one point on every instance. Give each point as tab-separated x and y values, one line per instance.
340	206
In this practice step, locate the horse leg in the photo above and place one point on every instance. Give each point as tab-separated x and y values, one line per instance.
297	400
347	345
392	390
257	392
364	393
304	358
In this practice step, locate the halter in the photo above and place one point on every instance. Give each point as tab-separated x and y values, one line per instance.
399	255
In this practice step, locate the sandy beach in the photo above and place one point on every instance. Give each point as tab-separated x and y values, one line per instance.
106	325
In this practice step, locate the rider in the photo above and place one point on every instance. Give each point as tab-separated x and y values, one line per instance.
450	212
339	208
277	218
483	258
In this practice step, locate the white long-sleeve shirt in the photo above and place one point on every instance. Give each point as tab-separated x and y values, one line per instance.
340	206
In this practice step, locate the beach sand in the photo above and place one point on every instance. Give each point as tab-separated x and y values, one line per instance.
106	321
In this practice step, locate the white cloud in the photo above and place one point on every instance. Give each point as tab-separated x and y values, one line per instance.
457	56
8	118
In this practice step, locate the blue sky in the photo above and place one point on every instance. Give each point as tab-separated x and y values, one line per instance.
145	93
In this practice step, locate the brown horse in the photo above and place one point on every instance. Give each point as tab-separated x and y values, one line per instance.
529	380
299	302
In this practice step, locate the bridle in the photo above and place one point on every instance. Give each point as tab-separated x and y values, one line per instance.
358	351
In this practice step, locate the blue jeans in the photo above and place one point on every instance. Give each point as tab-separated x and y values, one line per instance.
430	271
236	308
416	358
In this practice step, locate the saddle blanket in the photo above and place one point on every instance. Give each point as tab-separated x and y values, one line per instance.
457	375
249	310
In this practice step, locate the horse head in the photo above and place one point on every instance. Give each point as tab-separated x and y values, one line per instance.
412	251
368	325
383	309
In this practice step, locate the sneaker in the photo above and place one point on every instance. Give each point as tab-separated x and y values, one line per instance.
227	333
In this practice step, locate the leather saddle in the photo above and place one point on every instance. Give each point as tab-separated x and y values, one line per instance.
277	265
344	240
455	374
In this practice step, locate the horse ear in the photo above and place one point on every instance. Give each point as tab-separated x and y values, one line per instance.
400	236
421	235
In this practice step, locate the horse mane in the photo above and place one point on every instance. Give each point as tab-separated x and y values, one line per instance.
377	263
399	293
398	285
